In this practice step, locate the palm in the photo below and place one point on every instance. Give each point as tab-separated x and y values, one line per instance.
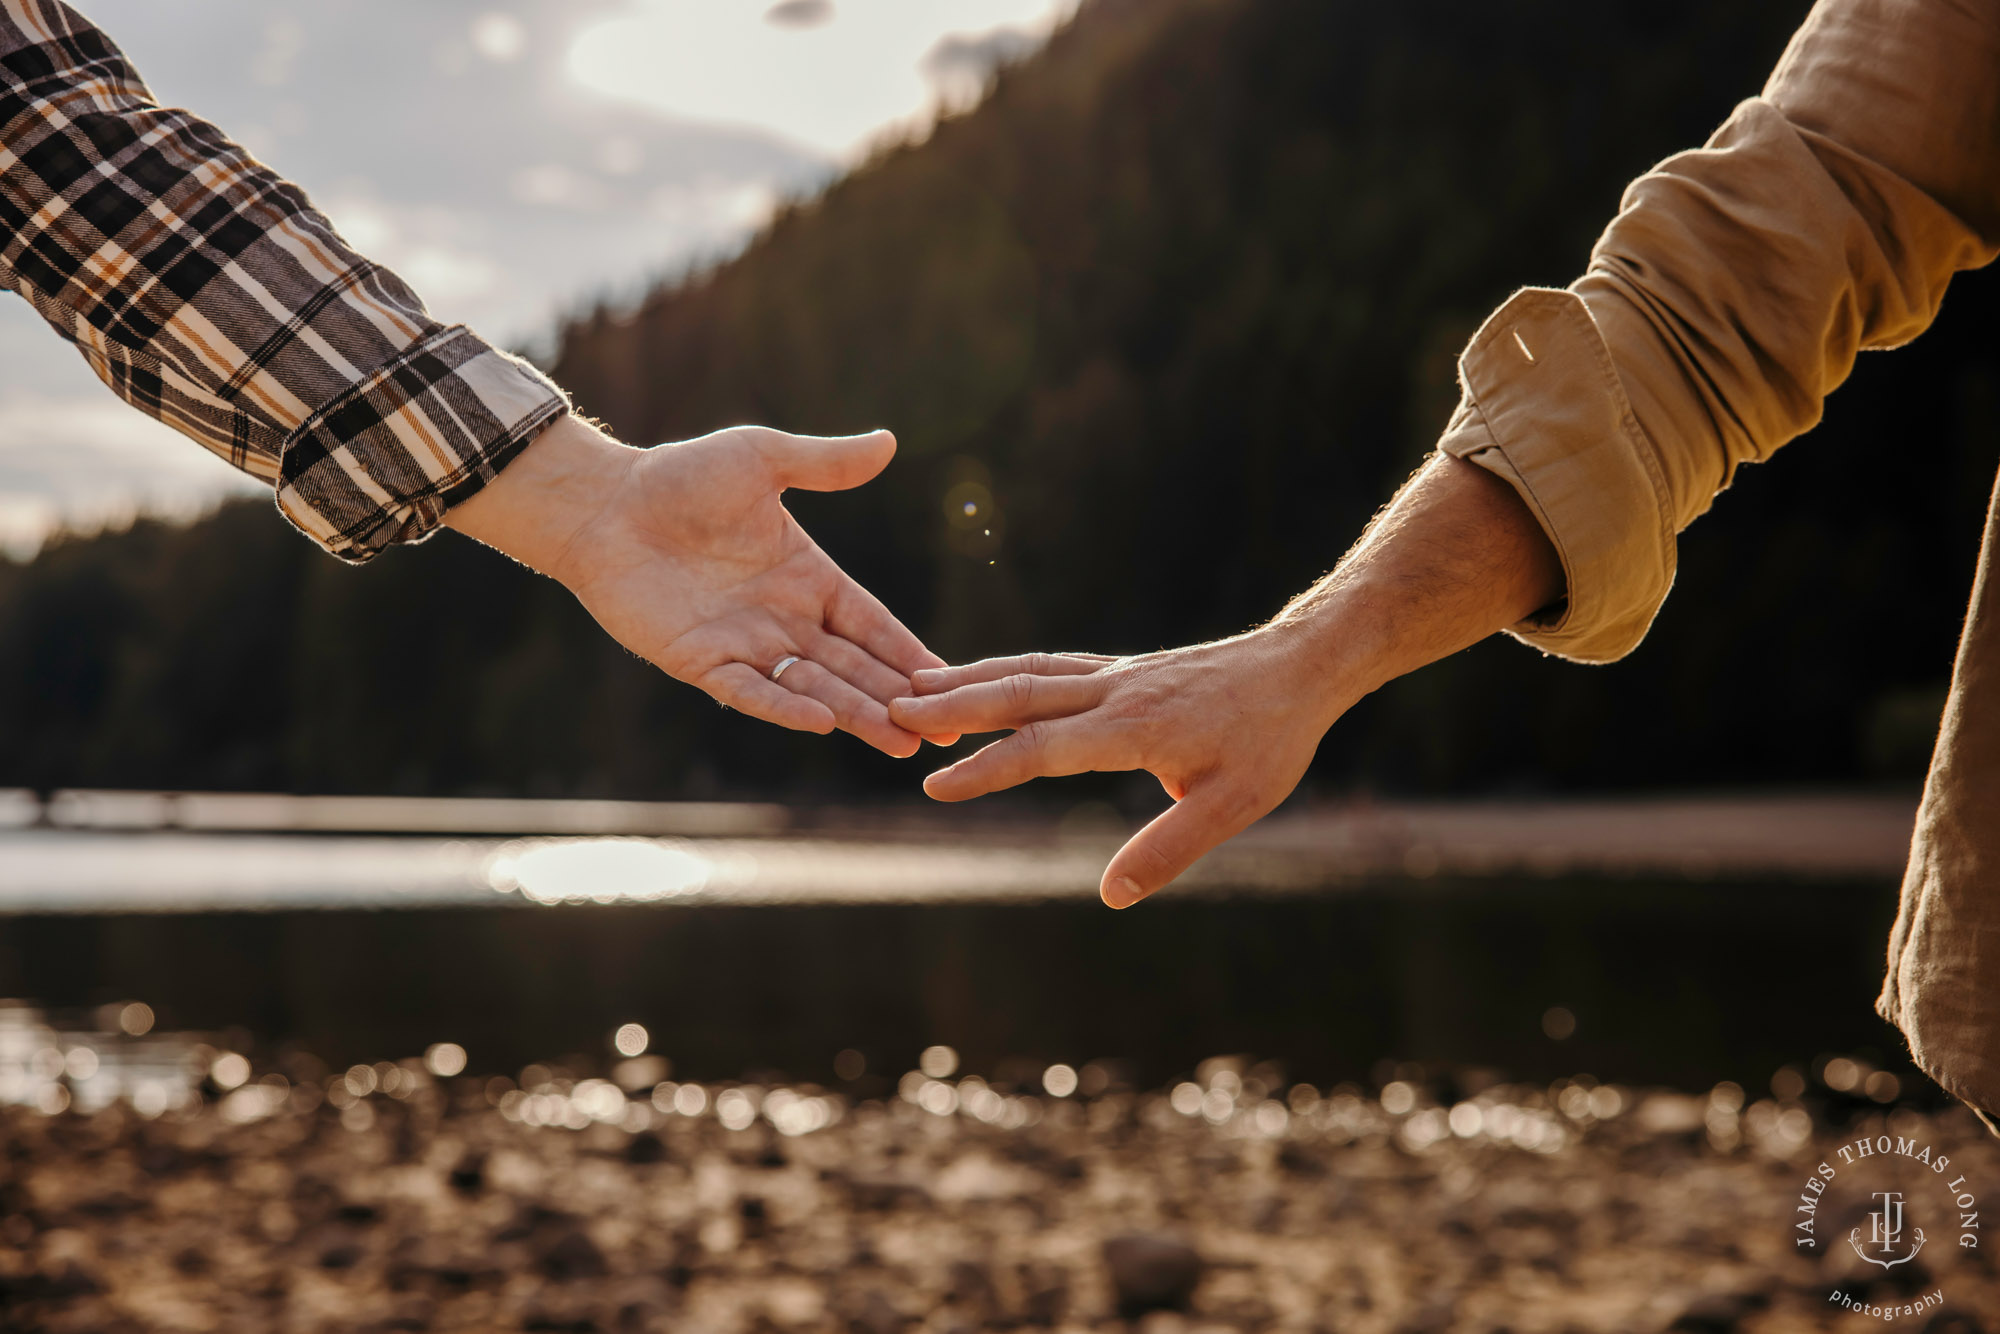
717	594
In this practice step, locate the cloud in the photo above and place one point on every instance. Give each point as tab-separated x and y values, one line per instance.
799	13
454	141
832	77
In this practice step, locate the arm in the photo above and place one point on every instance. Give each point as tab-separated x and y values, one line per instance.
1228	728
1726	301
207	292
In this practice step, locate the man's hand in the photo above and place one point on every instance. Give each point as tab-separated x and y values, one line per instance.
686	556
1229	728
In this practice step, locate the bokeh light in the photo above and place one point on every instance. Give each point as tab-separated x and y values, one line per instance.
444	1059
631	1039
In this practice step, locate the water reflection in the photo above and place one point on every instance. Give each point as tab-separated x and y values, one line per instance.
86	1066
598	870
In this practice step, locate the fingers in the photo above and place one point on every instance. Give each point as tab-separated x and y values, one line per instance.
854	665
851	710
1038	750
879	663
993	706
747	690
823	462
855	614
1177	837
937	680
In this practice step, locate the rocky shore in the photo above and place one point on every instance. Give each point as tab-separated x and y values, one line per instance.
388	1198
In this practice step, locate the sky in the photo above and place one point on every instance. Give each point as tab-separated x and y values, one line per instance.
513	162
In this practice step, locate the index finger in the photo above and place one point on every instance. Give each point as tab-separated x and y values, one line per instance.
993	706
937	680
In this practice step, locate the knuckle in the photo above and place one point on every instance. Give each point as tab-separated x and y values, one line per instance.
1032	739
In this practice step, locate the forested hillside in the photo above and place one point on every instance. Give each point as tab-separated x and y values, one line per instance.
1173	311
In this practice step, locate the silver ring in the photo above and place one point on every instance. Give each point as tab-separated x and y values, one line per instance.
783	663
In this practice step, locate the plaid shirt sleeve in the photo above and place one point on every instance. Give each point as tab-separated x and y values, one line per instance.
209	293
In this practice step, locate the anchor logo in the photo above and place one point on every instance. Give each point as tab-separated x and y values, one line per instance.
1885	1232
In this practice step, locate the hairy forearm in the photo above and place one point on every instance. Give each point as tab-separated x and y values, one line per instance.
1454	557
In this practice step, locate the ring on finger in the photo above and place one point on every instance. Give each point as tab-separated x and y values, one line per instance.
784	664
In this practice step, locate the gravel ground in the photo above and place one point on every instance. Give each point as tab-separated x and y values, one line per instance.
1227	1203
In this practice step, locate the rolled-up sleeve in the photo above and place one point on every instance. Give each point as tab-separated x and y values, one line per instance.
1732	294
208	292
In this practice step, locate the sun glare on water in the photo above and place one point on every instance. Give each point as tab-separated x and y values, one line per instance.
597	870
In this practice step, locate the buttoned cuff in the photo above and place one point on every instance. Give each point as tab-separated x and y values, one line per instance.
382	462
1543	409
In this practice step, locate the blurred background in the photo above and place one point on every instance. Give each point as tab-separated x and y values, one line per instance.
1162	299
1173	311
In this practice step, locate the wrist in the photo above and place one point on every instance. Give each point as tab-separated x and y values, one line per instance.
548	495
1328	656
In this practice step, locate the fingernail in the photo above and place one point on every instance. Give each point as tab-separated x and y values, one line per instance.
924	676
1121	893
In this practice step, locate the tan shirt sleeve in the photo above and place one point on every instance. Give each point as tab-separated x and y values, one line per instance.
1731	295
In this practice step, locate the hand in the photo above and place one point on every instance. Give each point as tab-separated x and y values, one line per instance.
685	555
1228	728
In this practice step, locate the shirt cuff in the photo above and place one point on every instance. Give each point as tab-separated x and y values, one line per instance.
1544	409
382	462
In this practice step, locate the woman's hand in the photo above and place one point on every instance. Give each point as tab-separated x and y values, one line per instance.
685	555
1228	728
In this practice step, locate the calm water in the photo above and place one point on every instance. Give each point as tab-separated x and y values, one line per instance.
752	938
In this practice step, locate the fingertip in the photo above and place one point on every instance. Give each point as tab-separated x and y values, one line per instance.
944	738
938	786
1120	892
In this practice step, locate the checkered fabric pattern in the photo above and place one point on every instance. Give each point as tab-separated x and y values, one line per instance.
206	291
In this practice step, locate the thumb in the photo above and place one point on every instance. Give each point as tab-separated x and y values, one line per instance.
1174	841
825	462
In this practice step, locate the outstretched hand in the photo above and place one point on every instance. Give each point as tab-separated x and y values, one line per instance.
1228	728
686	555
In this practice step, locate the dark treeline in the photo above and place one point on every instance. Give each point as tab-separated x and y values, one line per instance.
1173	310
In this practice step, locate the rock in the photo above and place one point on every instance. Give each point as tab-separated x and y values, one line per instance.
1949	1321
573	1255
1044	1297
876	1315
344	1256
1151	1273
1718	1312
468	1177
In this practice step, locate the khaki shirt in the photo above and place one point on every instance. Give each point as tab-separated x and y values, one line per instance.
1722	305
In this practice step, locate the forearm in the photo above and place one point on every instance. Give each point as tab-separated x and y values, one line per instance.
550	494
206	291
1455	557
